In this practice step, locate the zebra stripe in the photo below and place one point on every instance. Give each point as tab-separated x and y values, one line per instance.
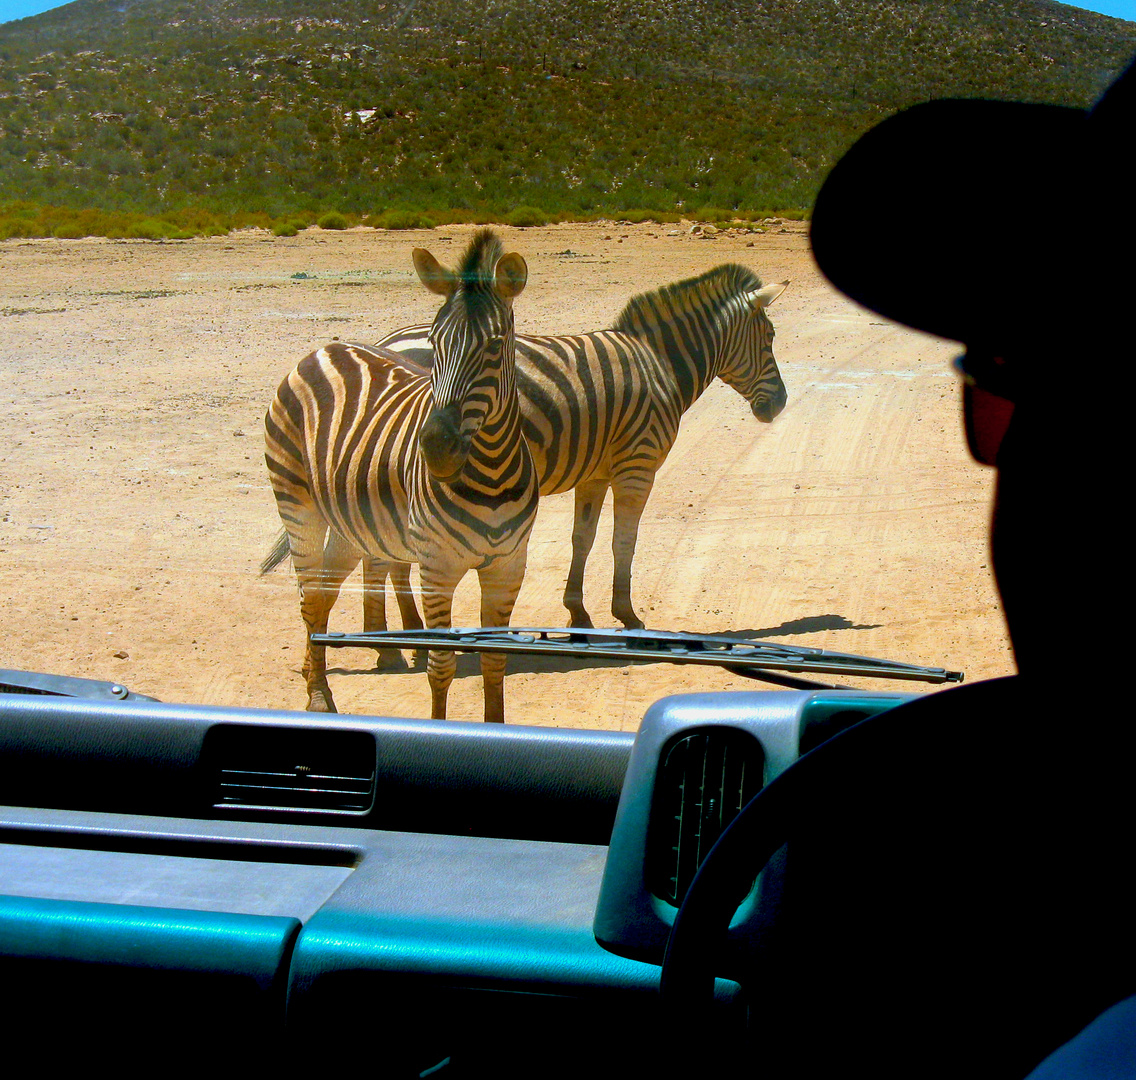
367	454
603	409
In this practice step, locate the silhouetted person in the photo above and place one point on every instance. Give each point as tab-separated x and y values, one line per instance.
956	892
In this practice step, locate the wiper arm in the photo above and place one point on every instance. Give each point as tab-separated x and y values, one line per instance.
753	659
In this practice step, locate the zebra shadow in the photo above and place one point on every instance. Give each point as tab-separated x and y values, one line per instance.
813	624
525	663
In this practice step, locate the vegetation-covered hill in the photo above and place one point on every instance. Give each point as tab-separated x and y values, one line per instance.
473	108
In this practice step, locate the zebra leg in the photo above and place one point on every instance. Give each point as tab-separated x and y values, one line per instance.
589	502
374	594
375	572
404	594
320	570
438	587
630	497
500	583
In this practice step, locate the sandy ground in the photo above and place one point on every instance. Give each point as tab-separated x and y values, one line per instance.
135	509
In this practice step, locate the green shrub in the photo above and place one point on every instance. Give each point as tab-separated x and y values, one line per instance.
400	219
449	216
332	220
284	228
637	217
256	219
148	229
714	214
525	217
12	227
69	230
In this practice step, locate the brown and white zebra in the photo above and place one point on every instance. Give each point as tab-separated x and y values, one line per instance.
368	454
603	409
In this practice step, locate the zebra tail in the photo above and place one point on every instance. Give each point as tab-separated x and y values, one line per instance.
277	555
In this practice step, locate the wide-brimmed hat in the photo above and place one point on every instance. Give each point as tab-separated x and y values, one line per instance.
974	219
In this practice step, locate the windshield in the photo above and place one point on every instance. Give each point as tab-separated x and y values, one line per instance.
137	508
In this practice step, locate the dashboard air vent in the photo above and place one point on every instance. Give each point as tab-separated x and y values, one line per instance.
704	779
290	769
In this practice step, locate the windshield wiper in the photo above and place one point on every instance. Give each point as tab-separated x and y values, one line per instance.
753	659
34	682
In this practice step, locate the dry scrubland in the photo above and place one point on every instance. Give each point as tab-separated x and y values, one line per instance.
136	509
219	108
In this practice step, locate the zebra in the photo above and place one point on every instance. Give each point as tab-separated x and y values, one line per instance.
368	454
602	409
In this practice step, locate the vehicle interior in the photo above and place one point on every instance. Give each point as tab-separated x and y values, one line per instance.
252	876
790	882
424	897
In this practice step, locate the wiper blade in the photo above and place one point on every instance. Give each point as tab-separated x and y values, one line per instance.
34	682
737	654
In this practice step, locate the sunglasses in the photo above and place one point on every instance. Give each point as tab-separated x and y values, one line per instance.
988	393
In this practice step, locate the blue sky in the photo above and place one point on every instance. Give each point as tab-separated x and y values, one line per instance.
20	9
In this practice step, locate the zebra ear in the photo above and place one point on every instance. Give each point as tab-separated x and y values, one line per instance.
765	297
433	274
510	275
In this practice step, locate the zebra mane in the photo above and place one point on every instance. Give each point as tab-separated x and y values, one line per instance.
708	292
476	266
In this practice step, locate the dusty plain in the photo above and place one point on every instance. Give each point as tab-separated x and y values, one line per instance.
135	508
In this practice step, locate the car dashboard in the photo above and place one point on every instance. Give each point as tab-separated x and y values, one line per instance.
417	897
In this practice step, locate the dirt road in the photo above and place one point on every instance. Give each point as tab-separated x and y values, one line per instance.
135	507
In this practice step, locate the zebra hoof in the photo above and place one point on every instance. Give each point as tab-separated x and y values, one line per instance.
390	660
321	701
630	620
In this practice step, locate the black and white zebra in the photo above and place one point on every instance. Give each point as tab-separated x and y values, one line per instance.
603	409
367	453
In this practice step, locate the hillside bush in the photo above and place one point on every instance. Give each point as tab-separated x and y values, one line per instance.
148	229
399	219
203	123
333	220
69	230
525	217
12	227
714	214
637	217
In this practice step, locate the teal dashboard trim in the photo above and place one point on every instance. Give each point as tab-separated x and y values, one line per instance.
171	939
534	958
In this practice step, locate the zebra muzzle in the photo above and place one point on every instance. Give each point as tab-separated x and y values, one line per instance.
443	447
768	406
